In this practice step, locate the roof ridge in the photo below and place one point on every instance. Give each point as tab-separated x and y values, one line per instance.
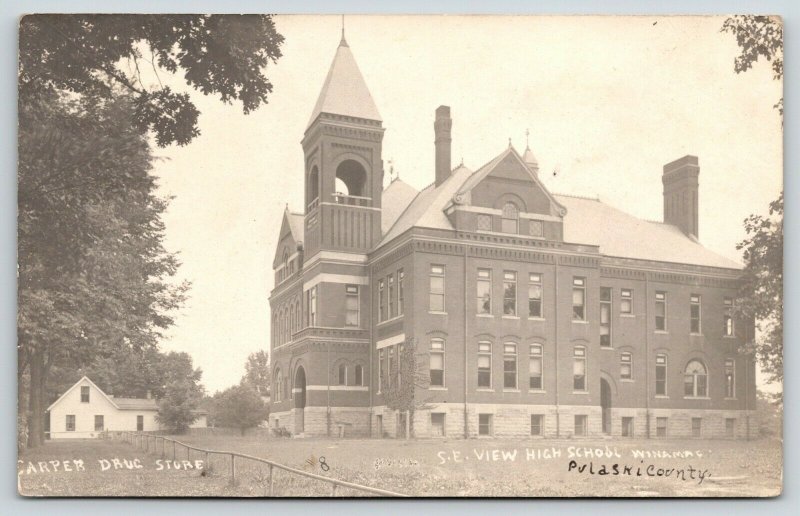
586	197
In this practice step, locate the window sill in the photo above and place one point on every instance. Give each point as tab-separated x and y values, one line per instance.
607	348
696	398
487	316
729	336
731	399
628	316
626	380
696	335
661	397
580	392
511	317
511	390
432	312
661	332
484	389
578	321
536	391
539	319
437	388
387	321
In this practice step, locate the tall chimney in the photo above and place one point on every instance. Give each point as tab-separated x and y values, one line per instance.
441	128
680	180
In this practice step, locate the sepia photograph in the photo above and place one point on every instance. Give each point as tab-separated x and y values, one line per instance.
362	255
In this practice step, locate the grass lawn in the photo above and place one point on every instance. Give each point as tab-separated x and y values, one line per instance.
476	467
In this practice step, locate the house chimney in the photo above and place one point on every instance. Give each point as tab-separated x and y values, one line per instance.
441	128
680	180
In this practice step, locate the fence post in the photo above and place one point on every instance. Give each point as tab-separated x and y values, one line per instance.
233	469
188	453
205	464
173	450
271	482
333	490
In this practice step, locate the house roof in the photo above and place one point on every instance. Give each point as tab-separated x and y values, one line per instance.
344	91
296	225
396	197
110	400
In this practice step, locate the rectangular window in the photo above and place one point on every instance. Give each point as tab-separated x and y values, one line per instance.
351	305
359	375
342	374
381	300
661	427
730	378
535	295
535	368
381	375
392	374
484	365
694	313
579	299
509	293
727	318
697	427
536	228
579	369
484	222
312	306
437	363
627	427
85	394
509	366
661	375
437	425
99	423
661	311
537	428
626	301
139	423
392	299
484	291
436	303
484	424
580	425
626	366
70	422
400	294
730	426
605	317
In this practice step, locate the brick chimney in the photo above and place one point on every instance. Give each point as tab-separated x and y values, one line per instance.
680	180
441	128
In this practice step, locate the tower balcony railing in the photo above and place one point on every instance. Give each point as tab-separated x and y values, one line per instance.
351	200
313	204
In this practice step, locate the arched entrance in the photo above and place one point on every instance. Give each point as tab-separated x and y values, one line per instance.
299	392
605	404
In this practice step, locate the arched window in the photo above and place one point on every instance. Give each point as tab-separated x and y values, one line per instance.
313	187
509	365
695	380
359	375
278	388
351	178
275	335
510	218
342	374
290	322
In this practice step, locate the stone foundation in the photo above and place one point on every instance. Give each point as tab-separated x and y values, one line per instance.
344	421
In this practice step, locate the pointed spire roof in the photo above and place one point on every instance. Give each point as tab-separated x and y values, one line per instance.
344	91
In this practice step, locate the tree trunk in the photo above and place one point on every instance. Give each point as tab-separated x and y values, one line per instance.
36	400
408	423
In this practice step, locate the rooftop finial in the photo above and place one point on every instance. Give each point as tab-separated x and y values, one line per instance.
527	143
343	43
509	142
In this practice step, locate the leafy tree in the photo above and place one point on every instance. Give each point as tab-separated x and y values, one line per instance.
239	407
406	377
257	372
176	408
94	54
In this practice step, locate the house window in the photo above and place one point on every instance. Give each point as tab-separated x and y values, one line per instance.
278	385
535	368
351	305
579	299
437	425
484	424
509	293
535	295
537	426
437	363
661	427
605	317
392	300
359	375
727	318
342	374
580	425
536	228
436	303
626	301
484	291
626	366
99	424
627	427
661	311
85	394
400	294
697	427
381	375
312	306
510	218
730	378
484	222
509	366
694	313
70	422
661	375
485	364
579	369
381	300
139	423
695	380
730	425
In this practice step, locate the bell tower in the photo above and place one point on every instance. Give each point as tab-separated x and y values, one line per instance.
343	164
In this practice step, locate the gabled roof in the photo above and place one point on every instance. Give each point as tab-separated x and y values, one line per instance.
135	403
396	197
344	91
110	400
293	225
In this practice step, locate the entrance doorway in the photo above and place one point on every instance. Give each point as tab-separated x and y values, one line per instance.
299	392
605	405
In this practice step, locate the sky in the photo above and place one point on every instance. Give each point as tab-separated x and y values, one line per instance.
607	100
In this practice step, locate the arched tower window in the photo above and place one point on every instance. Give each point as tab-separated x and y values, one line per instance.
695	380
351	178
510	218
313	187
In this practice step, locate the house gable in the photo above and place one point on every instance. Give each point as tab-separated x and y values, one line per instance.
72	396
287	240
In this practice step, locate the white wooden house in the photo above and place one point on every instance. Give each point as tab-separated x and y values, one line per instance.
85	411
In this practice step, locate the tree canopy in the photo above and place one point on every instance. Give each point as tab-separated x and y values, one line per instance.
239	407
257	372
